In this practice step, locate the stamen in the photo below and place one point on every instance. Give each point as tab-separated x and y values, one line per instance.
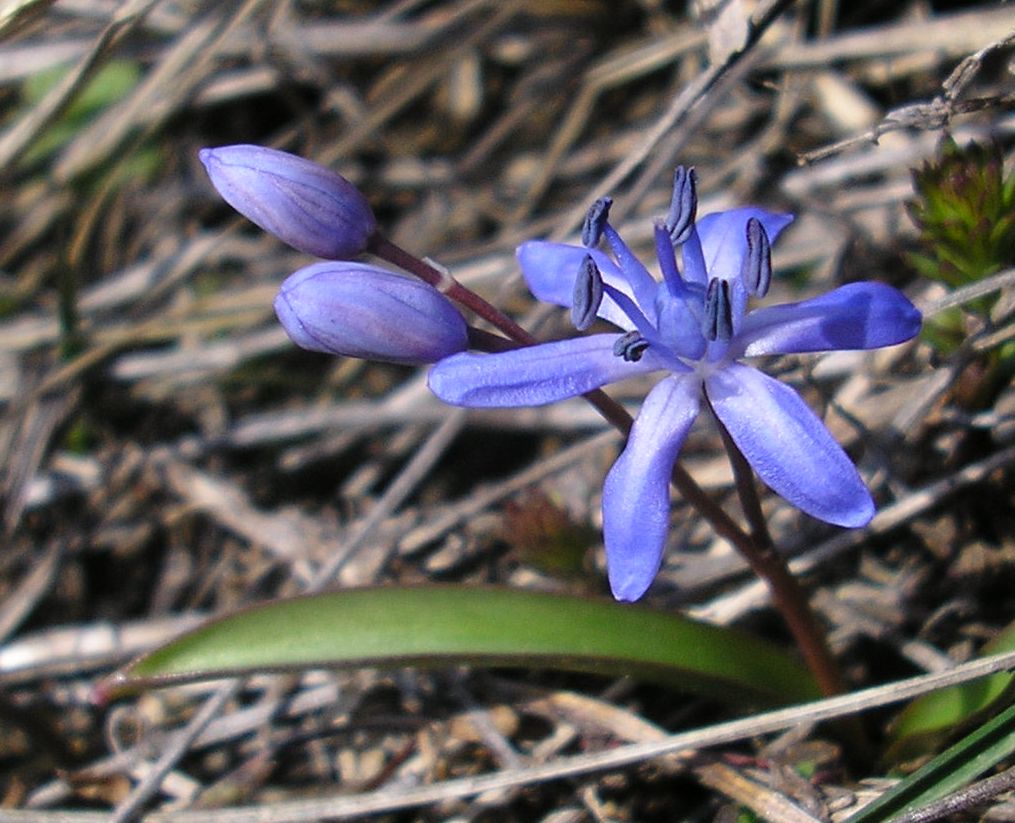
643	285
588	294
718	323
756	271
668	262
631	346
595	220
630	308
683	205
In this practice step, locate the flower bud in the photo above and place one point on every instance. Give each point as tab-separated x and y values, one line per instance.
364	311
313	209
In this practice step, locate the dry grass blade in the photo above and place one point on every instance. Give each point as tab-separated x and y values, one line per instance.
389	800
763	801
15	141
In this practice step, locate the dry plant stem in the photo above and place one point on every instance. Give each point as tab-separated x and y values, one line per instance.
962	800
757	548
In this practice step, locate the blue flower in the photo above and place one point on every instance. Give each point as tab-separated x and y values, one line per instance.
364	311
310	207
696	326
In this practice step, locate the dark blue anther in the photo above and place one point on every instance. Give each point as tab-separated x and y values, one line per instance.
718	319
588	294
757	267
683	205
630	346
595	221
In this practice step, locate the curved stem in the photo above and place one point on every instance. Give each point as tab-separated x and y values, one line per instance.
786	589
444	282
757	548
743	477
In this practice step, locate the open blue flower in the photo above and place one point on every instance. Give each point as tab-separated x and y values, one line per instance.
695	326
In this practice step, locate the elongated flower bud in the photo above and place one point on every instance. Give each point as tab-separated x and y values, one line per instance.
313	209
364	311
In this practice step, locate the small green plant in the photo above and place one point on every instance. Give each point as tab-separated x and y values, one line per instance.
965	212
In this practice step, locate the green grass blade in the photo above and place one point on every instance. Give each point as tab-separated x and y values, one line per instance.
927	722
951	770
447	625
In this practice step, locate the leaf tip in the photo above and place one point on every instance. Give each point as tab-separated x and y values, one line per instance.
109	688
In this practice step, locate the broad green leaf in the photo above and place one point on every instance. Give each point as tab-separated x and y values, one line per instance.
926	722
448	625
951	770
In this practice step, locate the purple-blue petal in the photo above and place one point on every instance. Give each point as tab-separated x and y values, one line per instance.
723	238
788	446
550	270
535	375
636	494
856	316
340	307
312	208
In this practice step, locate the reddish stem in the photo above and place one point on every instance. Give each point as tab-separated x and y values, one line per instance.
444	282
757	549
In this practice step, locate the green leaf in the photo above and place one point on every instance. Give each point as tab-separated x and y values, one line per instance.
111	83
449	625
948	772
926	722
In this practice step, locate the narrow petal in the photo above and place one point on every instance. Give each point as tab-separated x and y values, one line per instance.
636	494
788	446
550	270
855	316
536	375
724	238
725	248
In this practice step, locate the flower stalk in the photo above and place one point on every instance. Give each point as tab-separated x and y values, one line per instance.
444	282
788	593
788	596
696	325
